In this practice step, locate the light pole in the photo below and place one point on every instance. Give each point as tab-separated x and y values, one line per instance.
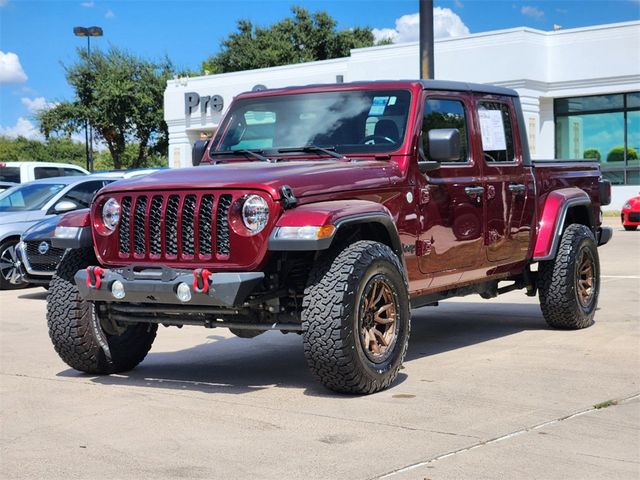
88	131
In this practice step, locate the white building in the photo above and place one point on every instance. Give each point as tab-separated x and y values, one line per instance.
580	89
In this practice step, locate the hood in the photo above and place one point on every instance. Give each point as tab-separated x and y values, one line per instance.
43	230
311	177
20	217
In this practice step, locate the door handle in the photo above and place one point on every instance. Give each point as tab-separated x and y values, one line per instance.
474	192
517	188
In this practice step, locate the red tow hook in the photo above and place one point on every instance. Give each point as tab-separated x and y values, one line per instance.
94	277
201	280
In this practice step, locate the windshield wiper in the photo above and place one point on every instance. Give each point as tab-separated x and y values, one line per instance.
248	153
314	149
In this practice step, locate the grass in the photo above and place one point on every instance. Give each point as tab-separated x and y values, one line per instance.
611	213
608	403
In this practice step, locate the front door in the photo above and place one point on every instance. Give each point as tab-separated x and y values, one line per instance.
508	185
451	205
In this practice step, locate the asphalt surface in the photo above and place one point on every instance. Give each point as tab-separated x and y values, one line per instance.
488	391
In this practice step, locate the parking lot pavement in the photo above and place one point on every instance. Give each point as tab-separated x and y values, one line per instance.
488	391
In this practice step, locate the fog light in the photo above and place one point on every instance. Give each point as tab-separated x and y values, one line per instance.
117	290
183	292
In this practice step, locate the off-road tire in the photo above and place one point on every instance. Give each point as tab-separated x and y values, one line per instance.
557	284
630	228
69	321
332	345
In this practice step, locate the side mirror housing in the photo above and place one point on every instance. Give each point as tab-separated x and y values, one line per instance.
197	152
444	145
64	206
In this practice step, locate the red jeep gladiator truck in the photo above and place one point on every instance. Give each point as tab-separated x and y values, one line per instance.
332	211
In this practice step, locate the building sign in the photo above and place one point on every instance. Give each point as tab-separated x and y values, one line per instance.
215	103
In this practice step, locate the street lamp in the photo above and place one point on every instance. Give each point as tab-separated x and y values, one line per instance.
88	131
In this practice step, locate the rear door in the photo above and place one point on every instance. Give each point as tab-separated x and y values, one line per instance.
450	197
508	185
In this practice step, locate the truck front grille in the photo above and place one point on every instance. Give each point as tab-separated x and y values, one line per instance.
175	225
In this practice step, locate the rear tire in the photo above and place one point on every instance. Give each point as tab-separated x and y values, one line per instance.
356	318
569	285
69	319
630	228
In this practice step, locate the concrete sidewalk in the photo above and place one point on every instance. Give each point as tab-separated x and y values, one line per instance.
488	391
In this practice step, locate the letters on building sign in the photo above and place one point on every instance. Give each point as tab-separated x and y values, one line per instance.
191	101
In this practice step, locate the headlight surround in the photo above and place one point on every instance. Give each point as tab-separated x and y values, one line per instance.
255	213
111	214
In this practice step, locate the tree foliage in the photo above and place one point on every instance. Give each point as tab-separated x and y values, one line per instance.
616	154
122	97
305	37
592	153
62	150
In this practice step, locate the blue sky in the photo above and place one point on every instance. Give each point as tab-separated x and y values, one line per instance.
37	35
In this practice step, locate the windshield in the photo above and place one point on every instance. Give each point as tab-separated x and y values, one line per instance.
363	121
28	197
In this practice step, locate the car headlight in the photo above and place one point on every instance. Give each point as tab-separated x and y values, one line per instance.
111	213
627	205
255	213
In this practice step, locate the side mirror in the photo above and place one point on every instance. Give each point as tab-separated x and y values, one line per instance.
64	206
197	152
444	144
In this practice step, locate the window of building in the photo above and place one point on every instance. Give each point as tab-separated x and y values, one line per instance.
601	127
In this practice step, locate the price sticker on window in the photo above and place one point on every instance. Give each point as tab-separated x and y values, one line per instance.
492	129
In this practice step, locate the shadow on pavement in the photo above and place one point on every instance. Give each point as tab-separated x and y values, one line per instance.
235	365
34	293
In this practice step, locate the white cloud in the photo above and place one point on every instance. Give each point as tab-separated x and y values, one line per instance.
10	69
446	24
22	128
36	104
90	4
109	14
532	12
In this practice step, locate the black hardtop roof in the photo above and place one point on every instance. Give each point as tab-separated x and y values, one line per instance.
426	84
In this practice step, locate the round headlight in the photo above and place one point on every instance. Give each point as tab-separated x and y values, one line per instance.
111	213
255	213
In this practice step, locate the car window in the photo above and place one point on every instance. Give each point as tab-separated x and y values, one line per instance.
31	196
83	194
496	131
443	113
72	172
9	174
46	172
349	121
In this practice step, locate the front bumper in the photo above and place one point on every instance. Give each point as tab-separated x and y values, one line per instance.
630	218
159	286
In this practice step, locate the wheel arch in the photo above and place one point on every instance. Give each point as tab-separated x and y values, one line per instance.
562	208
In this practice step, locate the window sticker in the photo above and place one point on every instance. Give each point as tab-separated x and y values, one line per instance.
378	105
492	129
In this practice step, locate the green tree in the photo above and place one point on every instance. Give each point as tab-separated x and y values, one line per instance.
305	37
122	96
616	154
56	149
592	153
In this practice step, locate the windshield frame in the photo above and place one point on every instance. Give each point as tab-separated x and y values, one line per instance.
26	186
352	149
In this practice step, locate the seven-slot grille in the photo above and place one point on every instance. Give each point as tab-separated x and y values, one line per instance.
189	225
43	262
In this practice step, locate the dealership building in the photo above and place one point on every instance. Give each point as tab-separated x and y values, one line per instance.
580	90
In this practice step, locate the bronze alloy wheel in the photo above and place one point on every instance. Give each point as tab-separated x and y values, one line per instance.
377	317
585	278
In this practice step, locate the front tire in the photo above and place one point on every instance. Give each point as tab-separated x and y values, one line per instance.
356	318
630	228
69	318
10	278
569	285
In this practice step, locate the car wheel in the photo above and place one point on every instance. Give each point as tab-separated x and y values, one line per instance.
10	278
356	318
569	284
630	228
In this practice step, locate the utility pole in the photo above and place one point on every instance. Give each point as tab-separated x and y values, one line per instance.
426	40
